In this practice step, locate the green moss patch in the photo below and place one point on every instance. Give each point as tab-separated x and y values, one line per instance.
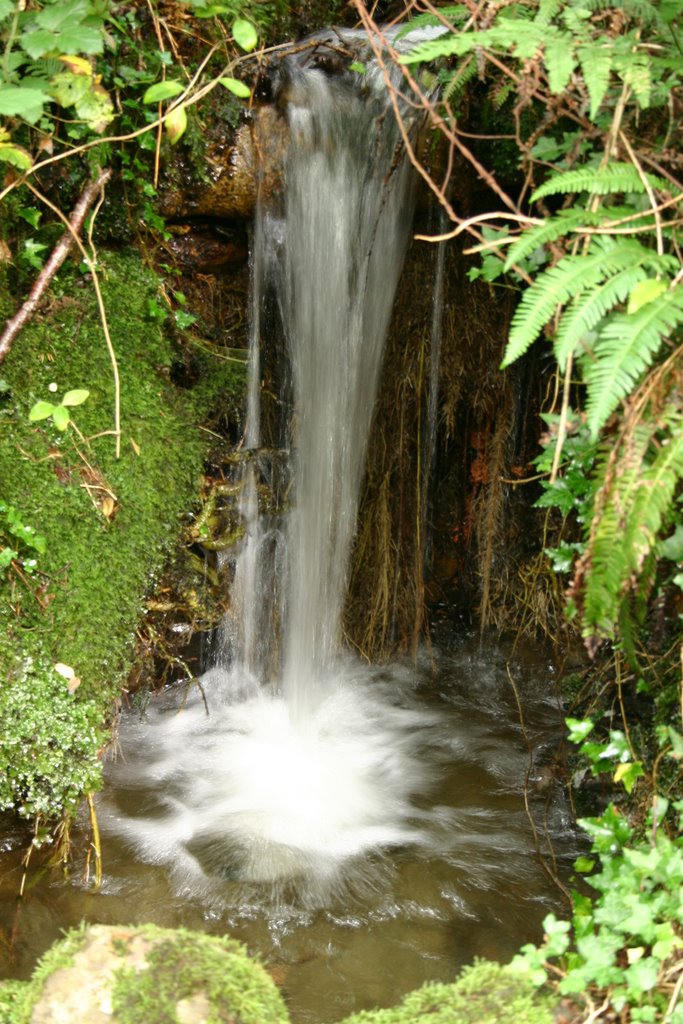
145	975
107	524
485	993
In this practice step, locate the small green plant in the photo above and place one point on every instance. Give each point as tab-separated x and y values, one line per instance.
19	542
50	743
622	945
59	413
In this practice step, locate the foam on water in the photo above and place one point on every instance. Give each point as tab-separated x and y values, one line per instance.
248	794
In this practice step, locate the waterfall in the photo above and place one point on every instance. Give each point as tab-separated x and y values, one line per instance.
333	258
308	760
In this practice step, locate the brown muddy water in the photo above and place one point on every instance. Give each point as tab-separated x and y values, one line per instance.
498	835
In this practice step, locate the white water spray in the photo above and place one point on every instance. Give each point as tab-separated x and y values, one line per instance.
294	764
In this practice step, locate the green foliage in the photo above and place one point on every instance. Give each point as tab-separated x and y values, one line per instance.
606	289
50	742
16	537
620	944
60	412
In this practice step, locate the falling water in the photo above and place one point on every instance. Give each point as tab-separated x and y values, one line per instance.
304	762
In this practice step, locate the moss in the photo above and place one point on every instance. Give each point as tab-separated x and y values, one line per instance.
485	993
160	972
109	524
185	963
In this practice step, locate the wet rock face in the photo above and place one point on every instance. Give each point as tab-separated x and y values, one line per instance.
146	975
236	166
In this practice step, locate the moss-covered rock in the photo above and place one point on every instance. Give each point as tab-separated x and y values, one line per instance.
105	525
144	975
485	993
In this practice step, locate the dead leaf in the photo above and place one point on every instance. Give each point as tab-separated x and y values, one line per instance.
108	507
134	446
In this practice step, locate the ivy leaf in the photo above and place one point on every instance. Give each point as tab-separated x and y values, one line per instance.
236	87
75	397
60	415
41	411
244	34
163	91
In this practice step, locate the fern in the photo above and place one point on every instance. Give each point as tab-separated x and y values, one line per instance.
634	504
455	14
644	11
559	59
615	177
460	77
625	349
588	310
595	59
533	238
606	256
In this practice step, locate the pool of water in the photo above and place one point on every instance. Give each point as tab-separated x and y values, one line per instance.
497	839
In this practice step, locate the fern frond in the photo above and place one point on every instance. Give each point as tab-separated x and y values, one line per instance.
563	223
635	70
463	74
635	503
454	14
547	10
586	311
509	34
639	10
624	350
595	59
559	59
606	256
615	177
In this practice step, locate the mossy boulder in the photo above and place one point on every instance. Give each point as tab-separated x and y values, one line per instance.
485	993
144	975
84	532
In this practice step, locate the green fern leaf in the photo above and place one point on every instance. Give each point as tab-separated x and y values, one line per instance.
586	311
547	10
559	59
615	177
463	74
639	10
596	63
635	70
563	223
606	256
625	349
454	14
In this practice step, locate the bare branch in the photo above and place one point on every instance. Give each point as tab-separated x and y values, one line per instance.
57	257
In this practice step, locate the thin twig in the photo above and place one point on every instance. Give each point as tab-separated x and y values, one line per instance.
56	258
100	305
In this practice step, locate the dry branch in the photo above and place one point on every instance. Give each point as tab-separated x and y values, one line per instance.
57	257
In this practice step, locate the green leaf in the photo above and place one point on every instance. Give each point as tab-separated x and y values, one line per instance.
644	292
244	34
596	62
625	348
559	61
23	101
16	155
60	415
579	729
41	411
75	397
236	87
615	177
175	124
163	91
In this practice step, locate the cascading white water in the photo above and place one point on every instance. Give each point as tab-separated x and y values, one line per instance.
293	774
